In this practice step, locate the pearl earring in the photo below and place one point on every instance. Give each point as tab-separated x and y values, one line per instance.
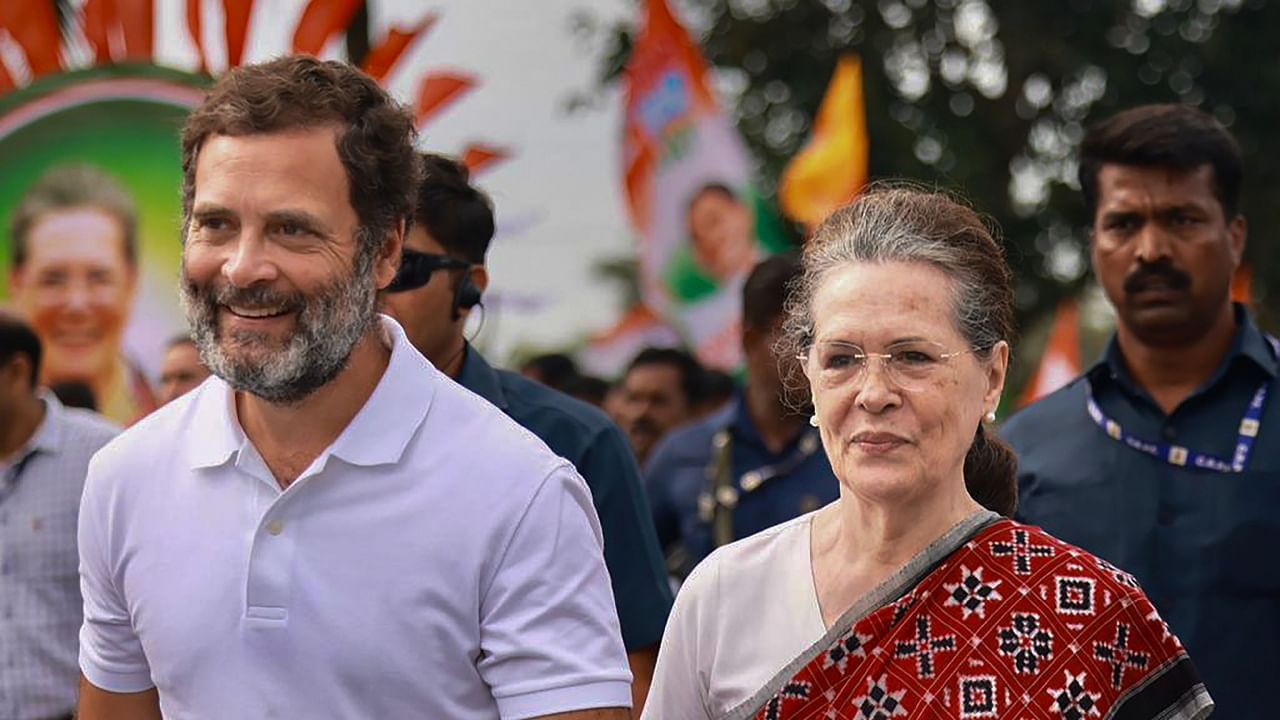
813	420
991	416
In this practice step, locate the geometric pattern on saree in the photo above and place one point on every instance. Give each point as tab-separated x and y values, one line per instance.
924	647
1056	634
1027	642
1022	550
978	697
972	592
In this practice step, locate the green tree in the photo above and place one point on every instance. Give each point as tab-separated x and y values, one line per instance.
992	98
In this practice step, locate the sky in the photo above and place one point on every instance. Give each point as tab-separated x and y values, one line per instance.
559	200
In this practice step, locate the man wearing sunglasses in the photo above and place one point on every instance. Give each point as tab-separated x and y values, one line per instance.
756	462
441	279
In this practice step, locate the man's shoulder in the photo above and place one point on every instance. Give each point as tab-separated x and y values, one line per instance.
160	433
536	406
692	442
90	428
493	438
1049	415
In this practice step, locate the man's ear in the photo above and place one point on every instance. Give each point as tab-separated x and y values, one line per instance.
751	337
16	370
479	277
1238	233
387	264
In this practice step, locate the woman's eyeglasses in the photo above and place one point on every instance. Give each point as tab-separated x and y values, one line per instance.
910	365
416	268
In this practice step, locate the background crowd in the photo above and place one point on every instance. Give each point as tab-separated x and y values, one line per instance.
1161	458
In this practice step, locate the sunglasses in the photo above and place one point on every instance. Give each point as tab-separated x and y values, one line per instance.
416	269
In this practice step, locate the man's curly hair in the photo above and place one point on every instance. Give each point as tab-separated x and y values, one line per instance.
375	133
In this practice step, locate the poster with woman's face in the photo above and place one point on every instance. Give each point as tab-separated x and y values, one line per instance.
90	225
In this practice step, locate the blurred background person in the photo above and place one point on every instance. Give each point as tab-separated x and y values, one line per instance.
753	464
75	394
74	237
182	370
555	370
44	455
660	391
589	389
441	279
718	390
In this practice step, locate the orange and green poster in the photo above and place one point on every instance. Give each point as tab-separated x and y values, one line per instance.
701	226
90	223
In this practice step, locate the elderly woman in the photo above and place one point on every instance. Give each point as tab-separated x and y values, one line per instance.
905	597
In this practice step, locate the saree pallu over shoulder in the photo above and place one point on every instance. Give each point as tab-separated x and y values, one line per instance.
994	620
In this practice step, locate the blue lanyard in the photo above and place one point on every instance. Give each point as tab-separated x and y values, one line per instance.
1181	456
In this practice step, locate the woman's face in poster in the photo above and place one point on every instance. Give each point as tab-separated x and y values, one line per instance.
76	287
723	234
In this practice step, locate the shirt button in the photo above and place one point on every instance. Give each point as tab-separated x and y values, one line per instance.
1169	432
275	527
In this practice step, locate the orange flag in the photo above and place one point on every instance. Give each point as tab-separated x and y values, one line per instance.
1060	362
138	21
321	21
35	27
439	90
237	13
478	156
383	58
832	167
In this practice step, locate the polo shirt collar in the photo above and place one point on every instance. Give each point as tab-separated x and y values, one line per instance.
377	435
1250	344
48	437
479	377
380	432
214	416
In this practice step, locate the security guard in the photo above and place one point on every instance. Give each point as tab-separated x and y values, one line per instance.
441	280
752	465
1164	457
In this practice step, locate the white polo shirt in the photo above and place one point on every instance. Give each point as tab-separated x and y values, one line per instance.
437	561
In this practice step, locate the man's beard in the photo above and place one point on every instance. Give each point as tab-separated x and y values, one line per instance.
328	324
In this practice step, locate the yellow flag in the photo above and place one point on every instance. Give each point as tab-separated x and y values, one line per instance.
832	167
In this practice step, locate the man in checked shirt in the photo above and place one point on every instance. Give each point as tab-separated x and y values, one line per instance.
44	454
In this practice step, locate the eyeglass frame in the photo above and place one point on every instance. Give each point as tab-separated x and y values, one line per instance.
885	358
418	267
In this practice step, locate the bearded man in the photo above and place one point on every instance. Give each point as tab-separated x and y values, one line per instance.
331	527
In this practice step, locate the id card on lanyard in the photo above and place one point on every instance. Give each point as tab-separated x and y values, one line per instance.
1181	456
